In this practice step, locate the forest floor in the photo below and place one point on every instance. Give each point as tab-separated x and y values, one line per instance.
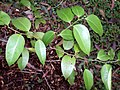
37	77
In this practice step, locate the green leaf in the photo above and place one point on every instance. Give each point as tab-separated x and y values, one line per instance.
67	45
76	48
38	21
48	37
82	37
66	34
95	23
37	13
31	49
14	48
22	23
40	50
65	14
88	79
23	61
4	18
111	54
67	65
71	78
59	51
78	11
118	55
33	42
29	34
26	3
106	73
0	50
38	35
102	55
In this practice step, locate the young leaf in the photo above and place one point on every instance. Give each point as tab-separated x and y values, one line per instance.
22	23
38	21
65	14
118	55
14	48
29	34
78	11
38	35
82	37
111	54
23	61
0	50
106	72
95	23
4	18
66	34
48	37
36	13
26	3
88	79
67	65
40	50
102	55
71	78
67	45
76	48
59	51
31	49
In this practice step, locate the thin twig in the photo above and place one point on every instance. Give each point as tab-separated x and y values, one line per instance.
62	51
16	31
74	22
53	60
36	69
105	61
58	4
3	40
47	82
30	72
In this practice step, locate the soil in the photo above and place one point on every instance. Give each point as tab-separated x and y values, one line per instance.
49	77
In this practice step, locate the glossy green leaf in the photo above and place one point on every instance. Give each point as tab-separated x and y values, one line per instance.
48	37
33	42
26	3
22	23
38	35
65	14
102	55
95	23
111	54
66	34
78	11
14	48
59	51
71	78
4	18
88	79
106	73
23	61
40	50
67	65
67	45
82	37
